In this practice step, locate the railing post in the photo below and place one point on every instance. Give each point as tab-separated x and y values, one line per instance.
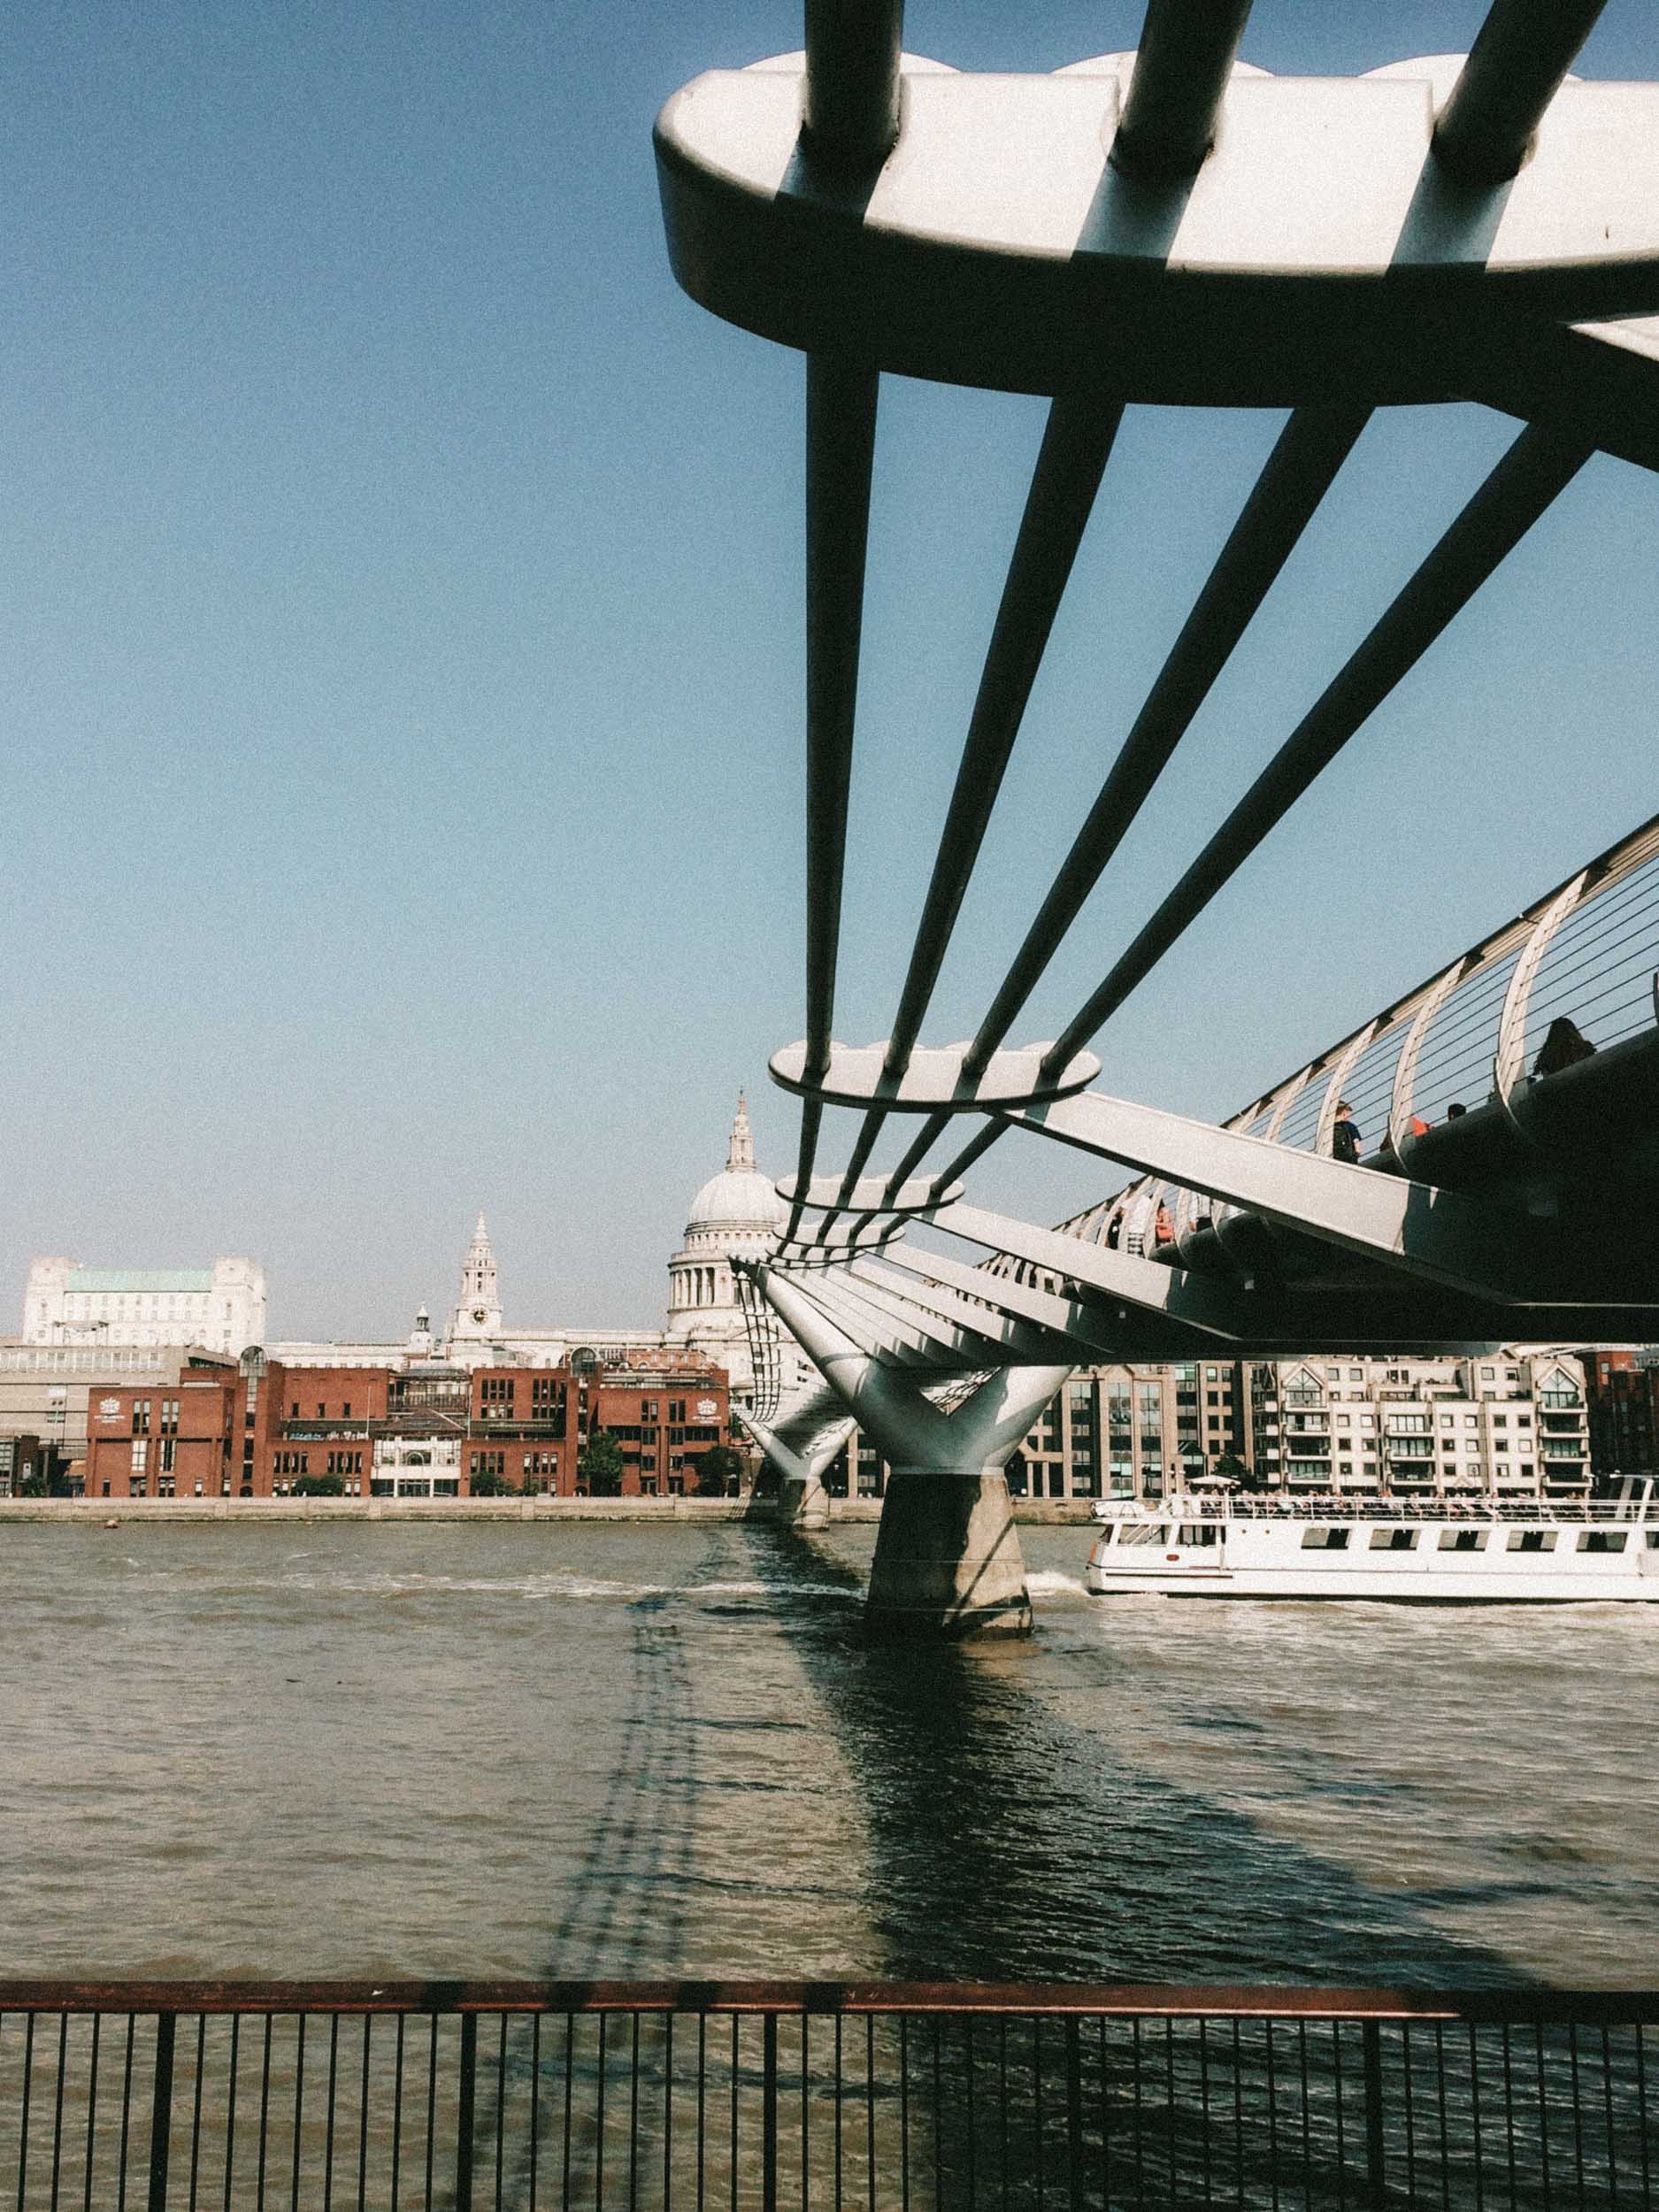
464	2125
161	2112
1375	2188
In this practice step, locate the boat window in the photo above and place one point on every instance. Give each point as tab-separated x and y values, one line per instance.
1139	1533
1200	1532
1462	1539
1531	1539
1326	1539
1393	1539
1602	1540
1653	1540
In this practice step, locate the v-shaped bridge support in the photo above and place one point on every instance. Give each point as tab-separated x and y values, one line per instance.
947	1560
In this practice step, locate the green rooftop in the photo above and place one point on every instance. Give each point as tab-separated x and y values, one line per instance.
140	1278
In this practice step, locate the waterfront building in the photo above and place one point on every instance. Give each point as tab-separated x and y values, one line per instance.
1622	1387
44	1387
220	1308
256	1428
1514	1424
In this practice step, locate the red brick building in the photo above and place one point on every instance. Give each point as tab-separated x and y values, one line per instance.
257	1429
1621	1389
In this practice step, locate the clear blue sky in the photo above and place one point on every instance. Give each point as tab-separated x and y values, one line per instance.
400	661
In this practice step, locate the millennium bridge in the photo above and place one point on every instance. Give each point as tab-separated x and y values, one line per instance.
1173	226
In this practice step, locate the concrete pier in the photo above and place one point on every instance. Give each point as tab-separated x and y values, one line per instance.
948	1561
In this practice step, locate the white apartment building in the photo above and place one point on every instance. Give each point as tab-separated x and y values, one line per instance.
221	1308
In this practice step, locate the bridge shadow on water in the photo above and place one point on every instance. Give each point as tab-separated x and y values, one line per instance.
1007	1842
1003	1841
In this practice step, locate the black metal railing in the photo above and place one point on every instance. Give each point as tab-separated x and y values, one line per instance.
831	2098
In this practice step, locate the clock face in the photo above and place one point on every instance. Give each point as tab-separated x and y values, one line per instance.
481	1313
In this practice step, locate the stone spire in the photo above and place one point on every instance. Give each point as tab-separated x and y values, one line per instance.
741	1156
477	1312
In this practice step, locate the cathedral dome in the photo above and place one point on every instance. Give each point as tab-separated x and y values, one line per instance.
739	1197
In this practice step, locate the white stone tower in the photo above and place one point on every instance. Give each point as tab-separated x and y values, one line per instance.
478	1313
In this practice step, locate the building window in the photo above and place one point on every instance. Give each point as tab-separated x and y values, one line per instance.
141	1455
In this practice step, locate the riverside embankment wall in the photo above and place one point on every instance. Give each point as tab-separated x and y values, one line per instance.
253	1512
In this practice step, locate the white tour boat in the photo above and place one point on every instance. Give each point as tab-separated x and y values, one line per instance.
1460	1550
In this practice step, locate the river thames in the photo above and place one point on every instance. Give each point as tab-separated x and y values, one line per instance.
628	1751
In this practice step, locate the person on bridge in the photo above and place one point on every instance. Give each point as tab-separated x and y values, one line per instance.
1163	1227
1344	1135
1115	1230
1564	1045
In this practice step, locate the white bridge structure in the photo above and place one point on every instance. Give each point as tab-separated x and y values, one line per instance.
1170	226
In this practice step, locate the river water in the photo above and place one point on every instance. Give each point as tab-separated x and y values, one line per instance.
574	1750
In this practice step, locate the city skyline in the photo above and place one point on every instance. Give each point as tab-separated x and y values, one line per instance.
404	590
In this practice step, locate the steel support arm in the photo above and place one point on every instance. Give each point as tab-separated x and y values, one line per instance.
1438	1235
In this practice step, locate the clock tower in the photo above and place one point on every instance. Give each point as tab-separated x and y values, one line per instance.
477	1316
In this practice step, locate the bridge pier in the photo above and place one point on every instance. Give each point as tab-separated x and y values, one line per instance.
948	1561
802	1501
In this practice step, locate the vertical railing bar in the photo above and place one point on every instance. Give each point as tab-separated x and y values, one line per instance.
467	2099
1578	2109
57	2104
501	2107
328	2118
92	2105
1203	2101
127	2108
904	2117
570	2067
230	2108
196	2104
939	2120
1002	2105
1336	2077
265	2108
1474	2091
1307	2118
869	2107
1039	2177
1606	2091
736	2053
1139	2138
634	2116
973	2114
769	2113
535	2109
1238	2110
23	2124
161	2112
1642	2112
363	2119
1272	2114
1509	2114
806	2098
299	2104
1105	2121
838	2112
1170	2151
1446	2148
668	2116
1543	2114
432	2101
1410	2115
703	2090
599	2119
398	2109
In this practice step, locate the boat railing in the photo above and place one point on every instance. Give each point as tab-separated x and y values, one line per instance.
1481	1506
